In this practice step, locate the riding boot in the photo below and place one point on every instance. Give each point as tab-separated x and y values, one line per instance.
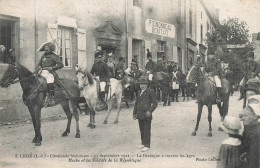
176	94
241	94
51	94
218	99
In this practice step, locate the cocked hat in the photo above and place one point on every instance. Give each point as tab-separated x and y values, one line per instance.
50	44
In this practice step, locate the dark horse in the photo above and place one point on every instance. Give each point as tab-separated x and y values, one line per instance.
187	88
206	95
34	96
164	84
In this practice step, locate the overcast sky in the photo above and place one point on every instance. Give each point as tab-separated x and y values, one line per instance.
246	10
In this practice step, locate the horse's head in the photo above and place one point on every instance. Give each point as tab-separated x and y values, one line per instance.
9	76
194	74
84	78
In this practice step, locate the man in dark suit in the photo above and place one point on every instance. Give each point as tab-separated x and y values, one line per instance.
145	104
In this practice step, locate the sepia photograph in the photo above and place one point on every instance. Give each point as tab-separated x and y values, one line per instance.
129	83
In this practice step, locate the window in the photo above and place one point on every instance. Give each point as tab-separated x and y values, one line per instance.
137	3
161	48
7	39
64	46
201	33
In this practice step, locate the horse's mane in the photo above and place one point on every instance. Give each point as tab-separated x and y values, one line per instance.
87	73
90	78
23	70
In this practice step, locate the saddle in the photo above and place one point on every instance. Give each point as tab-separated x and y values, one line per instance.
224	86
43	83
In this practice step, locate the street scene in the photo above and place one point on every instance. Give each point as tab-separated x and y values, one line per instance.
130	83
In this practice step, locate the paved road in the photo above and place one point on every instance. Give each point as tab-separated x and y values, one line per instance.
115	145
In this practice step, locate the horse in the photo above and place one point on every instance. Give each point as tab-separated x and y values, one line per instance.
187	88
89	87
130	86
34	96
163	84
206	96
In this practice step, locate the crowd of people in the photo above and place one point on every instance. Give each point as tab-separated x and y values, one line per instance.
240	150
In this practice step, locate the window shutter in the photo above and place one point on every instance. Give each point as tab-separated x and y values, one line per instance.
82	57
52	33
174	54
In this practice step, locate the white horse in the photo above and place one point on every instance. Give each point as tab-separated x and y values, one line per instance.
89	87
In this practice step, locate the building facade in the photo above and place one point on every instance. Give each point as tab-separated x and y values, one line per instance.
169	29
256	45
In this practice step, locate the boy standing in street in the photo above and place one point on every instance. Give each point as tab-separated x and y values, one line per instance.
145	104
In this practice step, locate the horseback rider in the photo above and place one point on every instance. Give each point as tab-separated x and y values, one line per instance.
47	65
120	69
111	65
250	71
101	71
151	67
161	66
213	67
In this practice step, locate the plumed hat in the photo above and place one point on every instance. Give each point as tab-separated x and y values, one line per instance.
49	43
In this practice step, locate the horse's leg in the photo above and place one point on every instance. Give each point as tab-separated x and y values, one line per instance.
118	98
210	119
168	95
34	123
225	107
76	116
37	112
200	106
66	108
164	95
91	113
109	105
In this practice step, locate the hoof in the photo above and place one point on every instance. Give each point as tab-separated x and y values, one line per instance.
89	125
65	134
193	133
105	122
93	126
164	104
220	129
34	140
209	134
77	136
116	122
38	144
169	104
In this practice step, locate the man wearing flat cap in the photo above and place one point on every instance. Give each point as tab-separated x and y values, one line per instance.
48	63
145	104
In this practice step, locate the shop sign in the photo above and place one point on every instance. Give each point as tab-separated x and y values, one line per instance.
160	28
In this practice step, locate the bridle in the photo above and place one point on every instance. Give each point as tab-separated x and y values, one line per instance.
84	74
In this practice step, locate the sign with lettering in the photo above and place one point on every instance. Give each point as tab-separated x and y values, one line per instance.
160	28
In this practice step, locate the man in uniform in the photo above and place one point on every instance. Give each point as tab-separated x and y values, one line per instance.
213	67
250	71
120	68
151	67
101	71
48	63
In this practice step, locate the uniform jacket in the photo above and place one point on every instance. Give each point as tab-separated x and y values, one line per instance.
146	102
50	60
151	66
100	69
120	68
111	67
213	66
176	76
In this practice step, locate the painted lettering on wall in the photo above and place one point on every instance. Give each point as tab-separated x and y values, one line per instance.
160	28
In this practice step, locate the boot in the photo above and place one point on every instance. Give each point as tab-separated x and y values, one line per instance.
176	94
102	98
241	94
218	100
51	94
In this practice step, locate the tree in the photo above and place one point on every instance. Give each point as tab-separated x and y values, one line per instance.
231	32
